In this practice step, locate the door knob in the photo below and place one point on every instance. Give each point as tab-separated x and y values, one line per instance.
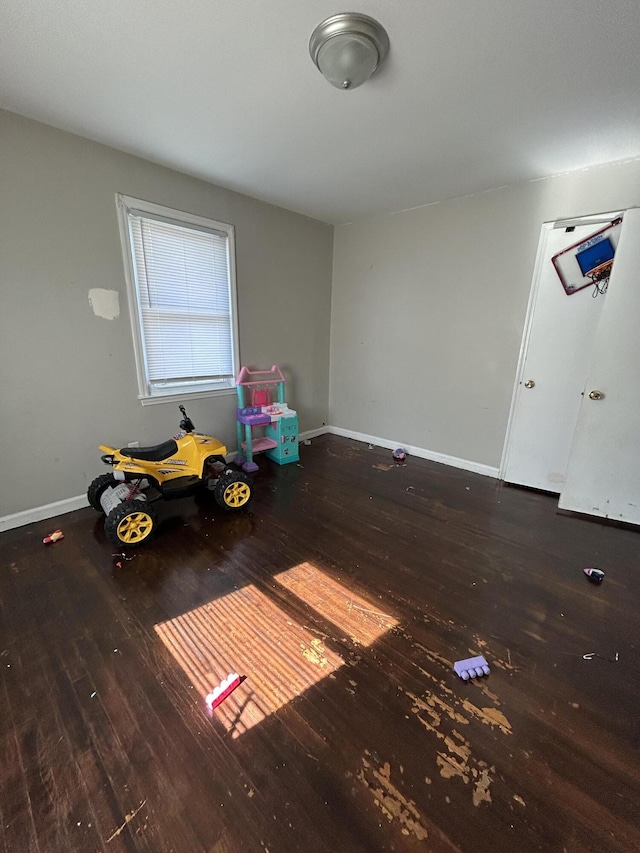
529	383
596	395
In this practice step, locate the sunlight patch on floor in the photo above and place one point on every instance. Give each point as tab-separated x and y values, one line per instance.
247	633
361	621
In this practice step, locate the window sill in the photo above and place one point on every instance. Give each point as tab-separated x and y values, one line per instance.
187	395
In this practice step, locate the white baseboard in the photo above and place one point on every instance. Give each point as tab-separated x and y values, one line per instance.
314	433
431	455
40	513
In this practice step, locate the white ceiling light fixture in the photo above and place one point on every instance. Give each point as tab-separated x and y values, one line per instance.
348	48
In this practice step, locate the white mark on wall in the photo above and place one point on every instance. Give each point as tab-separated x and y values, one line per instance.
105	303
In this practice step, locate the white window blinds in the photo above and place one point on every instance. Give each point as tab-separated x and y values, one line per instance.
184	299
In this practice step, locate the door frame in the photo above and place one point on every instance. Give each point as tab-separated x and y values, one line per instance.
594	219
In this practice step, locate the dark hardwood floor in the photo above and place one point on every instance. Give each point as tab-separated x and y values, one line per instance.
344	595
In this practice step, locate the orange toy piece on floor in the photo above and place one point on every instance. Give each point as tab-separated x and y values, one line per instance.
53	537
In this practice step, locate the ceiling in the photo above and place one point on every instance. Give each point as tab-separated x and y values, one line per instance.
475	94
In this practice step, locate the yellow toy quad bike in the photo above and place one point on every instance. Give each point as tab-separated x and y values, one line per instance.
177	468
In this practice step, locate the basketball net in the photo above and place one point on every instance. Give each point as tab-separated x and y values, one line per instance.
600	277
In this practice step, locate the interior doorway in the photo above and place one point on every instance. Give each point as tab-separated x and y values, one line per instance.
554	361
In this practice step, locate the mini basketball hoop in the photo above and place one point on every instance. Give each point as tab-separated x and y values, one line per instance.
589	262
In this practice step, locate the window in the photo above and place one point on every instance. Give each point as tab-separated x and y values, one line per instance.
180	272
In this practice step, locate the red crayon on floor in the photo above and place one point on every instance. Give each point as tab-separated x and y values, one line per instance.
53	537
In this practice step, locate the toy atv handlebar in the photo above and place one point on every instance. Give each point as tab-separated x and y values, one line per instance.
186	424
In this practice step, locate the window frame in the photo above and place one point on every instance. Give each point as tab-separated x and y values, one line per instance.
125	205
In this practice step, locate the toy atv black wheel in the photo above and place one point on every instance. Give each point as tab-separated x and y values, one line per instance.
131	523
233	490
95	490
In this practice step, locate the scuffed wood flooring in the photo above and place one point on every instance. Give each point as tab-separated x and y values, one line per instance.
344	595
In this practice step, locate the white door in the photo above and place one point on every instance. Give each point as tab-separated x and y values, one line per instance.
554	370
603	475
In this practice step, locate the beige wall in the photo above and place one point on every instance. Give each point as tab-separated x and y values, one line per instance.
429	306
67	377
426	317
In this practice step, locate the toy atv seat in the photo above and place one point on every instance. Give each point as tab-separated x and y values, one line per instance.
158	453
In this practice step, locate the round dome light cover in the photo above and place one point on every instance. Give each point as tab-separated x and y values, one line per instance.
348	48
